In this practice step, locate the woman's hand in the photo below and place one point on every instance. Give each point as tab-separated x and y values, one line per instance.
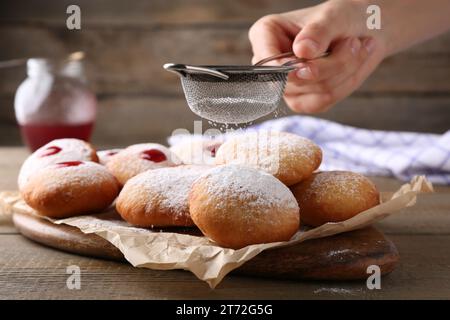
338	26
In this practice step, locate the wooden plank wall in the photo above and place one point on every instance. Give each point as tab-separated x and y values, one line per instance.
127	42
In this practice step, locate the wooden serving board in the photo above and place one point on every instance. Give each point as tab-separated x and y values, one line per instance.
342	257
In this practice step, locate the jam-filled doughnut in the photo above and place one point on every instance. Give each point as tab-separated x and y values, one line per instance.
194	151
59	150
105	155
139	158
237	206
159	197
69	188
287	156
333	196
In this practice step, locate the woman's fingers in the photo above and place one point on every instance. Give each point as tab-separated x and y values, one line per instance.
270	36
309	102
316	100
333	70
315	38
344	56
321	102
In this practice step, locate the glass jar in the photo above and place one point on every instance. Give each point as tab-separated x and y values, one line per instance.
54	102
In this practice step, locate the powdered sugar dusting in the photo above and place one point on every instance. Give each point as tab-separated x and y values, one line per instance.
197	151
265	150
85	174
344	183
338	291
170	185
256	188
133	152
71	150
105	155
131	161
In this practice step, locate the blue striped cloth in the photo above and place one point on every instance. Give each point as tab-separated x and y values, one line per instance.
373	152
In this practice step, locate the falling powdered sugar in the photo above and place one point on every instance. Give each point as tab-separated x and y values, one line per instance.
232	111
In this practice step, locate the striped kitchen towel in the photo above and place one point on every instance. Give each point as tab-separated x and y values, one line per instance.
373	152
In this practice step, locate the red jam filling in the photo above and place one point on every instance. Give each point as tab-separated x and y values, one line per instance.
212	150
69	164
111	153
49	151
153	155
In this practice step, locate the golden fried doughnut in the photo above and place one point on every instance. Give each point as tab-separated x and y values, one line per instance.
334	196
196	151
139	158
58	150
105	155
287	156
159	197
237	206
70	188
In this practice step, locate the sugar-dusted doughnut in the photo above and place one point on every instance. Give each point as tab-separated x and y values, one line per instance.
196	151
287	156
159	197
105	155
70	188
59	150
333	196
139	158
237	206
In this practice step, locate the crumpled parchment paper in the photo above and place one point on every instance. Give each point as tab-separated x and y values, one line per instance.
165	250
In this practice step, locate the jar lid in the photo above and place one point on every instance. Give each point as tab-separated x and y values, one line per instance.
36	66
72	67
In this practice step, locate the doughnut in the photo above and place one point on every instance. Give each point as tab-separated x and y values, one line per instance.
105	155
139	158
159	197
59	150
196	151
334	196
69	188
289	157
237	206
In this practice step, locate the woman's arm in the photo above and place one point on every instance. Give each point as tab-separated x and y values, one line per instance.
356	51
405	23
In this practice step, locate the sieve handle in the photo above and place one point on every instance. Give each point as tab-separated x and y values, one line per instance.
182	69
290	62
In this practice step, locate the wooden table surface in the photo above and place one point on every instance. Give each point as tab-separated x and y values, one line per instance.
31	271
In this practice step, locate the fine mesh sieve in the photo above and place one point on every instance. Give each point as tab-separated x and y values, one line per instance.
234	94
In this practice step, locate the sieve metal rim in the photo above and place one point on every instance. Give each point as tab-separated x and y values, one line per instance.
234	69
221	71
